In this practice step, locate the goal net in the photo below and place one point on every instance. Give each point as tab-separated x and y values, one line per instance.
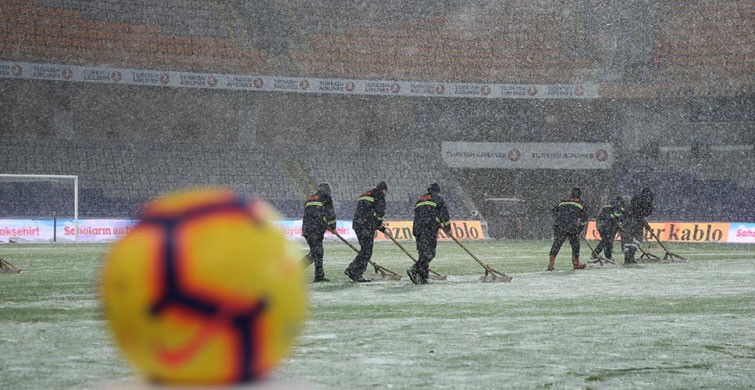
39	208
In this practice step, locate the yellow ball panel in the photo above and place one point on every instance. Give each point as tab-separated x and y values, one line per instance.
130	285
221	257
190	348
210	245
287	315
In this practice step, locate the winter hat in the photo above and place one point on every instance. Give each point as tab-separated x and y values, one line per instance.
382	186
434	188
324	187
576	192
647	193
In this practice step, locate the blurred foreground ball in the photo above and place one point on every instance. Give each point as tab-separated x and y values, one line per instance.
204	290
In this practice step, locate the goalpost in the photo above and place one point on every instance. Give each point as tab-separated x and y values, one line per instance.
9	177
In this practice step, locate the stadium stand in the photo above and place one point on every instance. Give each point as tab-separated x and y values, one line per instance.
517	42
705	40
122	34
36	200
117	177
501	44
713	187
407	173
126	154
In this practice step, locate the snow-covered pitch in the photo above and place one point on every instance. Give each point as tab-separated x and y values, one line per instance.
684	325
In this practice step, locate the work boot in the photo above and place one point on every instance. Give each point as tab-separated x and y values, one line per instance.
551	262
355	278
422	276
575	263
319	272
413	275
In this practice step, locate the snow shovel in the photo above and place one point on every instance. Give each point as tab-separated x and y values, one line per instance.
491	275
432	275
380	271
647	254
669	255
598	258
8	268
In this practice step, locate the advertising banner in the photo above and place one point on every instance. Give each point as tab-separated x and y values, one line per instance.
742	233
235	82
680	231
292	229
527	155
401	230
95	230
463	230
109	230
41	230
25	230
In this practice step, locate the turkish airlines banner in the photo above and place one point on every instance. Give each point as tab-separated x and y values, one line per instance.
235	82
527	155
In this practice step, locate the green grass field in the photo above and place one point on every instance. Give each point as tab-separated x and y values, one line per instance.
645	326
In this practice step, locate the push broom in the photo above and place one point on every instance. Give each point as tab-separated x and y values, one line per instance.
491	275
598	258
7	268
669	255
384	273
432	274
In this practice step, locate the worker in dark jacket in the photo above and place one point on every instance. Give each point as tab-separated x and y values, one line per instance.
632	231
319	216
368	217
430	214
570	218
608	224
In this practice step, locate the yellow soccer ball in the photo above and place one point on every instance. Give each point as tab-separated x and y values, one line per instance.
204	290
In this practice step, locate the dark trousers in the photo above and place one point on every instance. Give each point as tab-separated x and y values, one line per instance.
316	253
607	235
631	238
426	244
558	239
366	239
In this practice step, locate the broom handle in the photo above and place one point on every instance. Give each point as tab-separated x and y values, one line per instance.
389	235
344	241
377	266
646	253
470	253
652	232
588	244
